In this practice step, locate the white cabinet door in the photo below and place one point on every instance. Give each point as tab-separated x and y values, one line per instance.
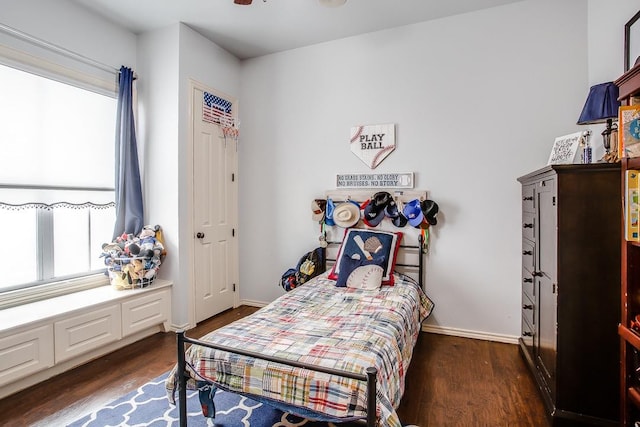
24	353
144	312
85	332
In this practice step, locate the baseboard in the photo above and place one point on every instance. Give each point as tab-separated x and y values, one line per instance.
464	333
251	303
175	328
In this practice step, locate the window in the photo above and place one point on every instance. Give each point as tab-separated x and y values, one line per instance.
56	179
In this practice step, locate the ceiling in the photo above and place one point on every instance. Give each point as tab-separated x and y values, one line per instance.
269	26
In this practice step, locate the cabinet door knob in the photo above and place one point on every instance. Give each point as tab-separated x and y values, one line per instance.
527	280
200	235
527	225
527	252
527	307
527	198
527	334
537	274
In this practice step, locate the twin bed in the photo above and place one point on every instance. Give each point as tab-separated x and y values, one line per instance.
324	352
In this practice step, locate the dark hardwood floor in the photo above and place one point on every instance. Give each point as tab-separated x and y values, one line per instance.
451	382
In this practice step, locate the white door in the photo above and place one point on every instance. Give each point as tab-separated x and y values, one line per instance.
214	210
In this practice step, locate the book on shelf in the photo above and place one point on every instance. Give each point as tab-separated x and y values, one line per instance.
631	207
629	130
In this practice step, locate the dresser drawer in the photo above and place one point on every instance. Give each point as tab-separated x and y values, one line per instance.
527	284
528	226
527	335
528	308
528	251
528	203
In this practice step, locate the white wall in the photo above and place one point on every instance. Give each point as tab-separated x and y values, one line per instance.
478	100
606	38
606	44
208	64
158	133
169	58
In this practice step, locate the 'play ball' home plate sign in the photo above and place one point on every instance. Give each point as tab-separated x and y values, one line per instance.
373	143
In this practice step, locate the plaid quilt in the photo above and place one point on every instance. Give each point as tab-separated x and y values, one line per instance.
319	323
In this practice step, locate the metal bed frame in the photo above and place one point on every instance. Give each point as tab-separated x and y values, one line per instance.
369	377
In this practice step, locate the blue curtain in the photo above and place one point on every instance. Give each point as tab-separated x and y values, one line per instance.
129	209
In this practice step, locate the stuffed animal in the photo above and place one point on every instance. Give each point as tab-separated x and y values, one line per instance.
133	261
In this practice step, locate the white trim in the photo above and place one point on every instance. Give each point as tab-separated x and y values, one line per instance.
37	293
45	68
465	333
252	303
55	48
182	327
44	310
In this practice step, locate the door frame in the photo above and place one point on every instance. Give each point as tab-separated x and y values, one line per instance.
191	287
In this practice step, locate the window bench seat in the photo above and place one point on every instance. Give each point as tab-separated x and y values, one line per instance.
45	338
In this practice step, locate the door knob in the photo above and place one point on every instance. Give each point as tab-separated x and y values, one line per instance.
200	235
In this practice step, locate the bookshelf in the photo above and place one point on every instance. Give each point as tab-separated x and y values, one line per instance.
629	85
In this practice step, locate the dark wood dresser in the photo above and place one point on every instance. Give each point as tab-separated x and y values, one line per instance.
571	290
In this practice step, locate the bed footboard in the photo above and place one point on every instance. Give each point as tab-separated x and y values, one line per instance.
369	378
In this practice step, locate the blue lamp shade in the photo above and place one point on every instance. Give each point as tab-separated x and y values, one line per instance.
602	104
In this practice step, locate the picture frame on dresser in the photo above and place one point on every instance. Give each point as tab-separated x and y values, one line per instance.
565	149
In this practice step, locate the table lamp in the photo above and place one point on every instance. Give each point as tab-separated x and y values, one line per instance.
602	106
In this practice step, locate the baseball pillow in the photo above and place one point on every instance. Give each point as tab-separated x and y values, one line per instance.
365	277
367	245
359	268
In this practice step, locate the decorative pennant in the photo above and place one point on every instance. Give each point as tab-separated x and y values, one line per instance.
215	109
373	143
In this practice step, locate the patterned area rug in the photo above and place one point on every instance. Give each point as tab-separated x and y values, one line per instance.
148	406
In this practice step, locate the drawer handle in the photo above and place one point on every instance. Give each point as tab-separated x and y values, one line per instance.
527	252
528	280
527	307
537	274
527	334
527	198
527	225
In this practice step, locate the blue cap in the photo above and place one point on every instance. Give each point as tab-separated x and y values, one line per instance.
413	212
328	216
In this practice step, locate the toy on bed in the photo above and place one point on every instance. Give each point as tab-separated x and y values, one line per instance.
309	266
134	261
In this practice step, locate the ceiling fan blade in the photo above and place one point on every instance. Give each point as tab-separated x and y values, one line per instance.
242	1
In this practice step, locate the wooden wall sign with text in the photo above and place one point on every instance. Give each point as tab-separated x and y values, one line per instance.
373	143
375	180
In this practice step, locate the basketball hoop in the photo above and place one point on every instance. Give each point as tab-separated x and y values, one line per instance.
229	128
